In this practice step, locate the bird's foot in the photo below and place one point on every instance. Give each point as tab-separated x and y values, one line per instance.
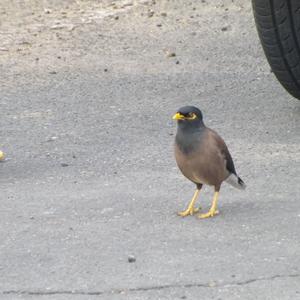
188	212
209	214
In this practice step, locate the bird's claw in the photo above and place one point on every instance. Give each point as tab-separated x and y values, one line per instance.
209	214
188	212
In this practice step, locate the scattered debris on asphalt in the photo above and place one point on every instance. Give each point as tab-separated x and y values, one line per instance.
131	259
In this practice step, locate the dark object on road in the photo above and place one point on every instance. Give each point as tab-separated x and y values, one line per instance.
278	23
202	156
131	259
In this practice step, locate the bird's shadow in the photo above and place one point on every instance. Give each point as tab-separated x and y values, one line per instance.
240	210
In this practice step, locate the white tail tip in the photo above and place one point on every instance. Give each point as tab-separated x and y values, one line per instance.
236	181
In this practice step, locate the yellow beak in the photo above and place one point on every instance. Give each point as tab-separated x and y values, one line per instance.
178	116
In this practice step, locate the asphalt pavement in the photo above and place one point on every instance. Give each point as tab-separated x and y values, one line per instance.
90	187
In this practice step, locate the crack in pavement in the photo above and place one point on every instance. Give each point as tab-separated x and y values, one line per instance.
143	289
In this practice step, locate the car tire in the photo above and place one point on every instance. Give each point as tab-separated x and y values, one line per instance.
278	26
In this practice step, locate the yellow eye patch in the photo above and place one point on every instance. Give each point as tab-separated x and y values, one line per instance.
191	116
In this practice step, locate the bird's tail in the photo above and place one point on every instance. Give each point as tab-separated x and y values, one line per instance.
236	181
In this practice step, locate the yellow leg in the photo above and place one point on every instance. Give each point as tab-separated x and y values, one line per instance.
213	210
191	209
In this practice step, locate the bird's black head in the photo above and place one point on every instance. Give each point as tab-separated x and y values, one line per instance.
189	116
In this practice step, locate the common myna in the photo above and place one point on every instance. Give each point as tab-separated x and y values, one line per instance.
203	157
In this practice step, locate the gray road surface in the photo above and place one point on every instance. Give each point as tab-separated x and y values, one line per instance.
87	94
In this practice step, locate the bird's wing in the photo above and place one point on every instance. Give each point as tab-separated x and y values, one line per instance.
224	152
229	162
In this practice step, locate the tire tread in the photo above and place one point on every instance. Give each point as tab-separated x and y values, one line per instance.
278	26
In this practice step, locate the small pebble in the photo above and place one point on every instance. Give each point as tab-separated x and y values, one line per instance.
116	17
212	284
64	165
158	25
163	14
105	70
2	156
177	62
131	259
150	13
52	138
53	72
171	54
225	28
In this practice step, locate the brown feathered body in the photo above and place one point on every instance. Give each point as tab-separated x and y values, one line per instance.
204	160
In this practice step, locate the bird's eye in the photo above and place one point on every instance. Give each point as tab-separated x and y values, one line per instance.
192	116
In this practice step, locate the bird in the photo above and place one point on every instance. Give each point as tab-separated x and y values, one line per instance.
203	157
